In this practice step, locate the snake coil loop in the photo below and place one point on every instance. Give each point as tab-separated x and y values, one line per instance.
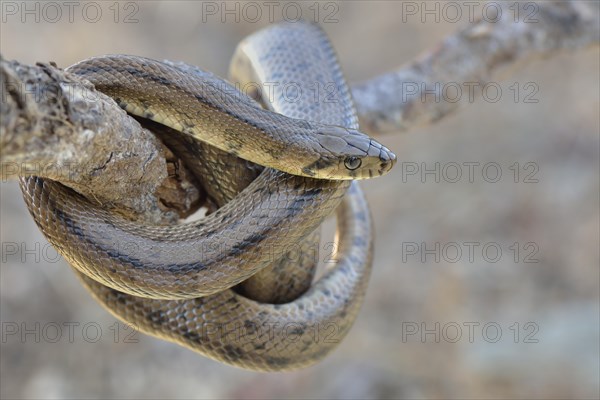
214	285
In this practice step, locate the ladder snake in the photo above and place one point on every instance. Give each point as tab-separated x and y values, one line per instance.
205	284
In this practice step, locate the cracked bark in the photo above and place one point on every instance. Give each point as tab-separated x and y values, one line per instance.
56	126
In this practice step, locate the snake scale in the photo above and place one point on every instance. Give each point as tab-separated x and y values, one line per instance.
179	282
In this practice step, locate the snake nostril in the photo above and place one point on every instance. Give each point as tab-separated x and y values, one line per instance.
388	159
387	156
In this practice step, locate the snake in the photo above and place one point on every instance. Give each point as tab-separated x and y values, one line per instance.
179	282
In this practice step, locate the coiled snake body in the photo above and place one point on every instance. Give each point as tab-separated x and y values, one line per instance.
175	282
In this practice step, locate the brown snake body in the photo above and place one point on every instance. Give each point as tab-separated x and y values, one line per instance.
172	281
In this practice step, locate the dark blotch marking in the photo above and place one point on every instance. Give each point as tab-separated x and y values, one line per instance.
232	300
298	330
319	164
240	247
250	327
191	335
182	316
301	201
234	145
231	352
185	268
188	124
274	153
143	74
277	361
234	148
156	317
73	227
308	172
210	233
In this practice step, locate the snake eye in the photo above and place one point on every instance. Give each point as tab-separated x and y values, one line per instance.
352	163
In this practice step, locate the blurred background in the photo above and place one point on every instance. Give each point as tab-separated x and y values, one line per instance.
447	314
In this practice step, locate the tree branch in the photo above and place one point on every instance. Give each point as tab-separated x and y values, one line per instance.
58	127
472	56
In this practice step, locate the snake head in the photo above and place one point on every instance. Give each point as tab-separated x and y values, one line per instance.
352	155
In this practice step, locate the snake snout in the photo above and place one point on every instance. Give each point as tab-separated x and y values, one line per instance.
387	159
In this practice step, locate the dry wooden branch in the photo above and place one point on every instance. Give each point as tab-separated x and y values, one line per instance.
415	94
56	126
